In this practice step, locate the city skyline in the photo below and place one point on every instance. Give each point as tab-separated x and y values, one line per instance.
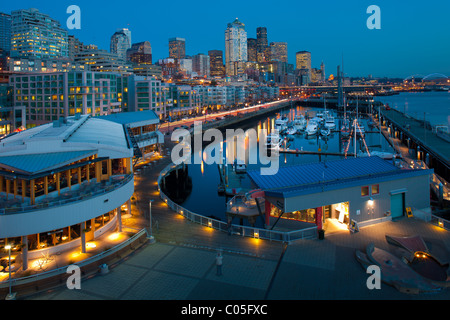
407	43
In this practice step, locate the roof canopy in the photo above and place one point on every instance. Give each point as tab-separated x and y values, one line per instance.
318	177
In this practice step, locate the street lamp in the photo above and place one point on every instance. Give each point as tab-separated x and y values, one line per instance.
10	296
150	236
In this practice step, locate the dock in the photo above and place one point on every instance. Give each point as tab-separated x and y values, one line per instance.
320	153
231	182
420	139
416	157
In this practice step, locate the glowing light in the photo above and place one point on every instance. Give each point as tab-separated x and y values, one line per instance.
114	236
91	245
209	223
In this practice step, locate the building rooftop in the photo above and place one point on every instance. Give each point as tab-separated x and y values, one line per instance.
322	176
56	144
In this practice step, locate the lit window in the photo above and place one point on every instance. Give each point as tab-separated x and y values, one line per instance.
375	189
364	191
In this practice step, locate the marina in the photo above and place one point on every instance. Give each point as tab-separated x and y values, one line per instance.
216	187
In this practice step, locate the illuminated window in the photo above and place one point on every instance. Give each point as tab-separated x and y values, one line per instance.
364	191
375	189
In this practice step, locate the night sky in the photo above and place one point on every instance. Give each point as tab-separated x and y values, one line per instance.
413	39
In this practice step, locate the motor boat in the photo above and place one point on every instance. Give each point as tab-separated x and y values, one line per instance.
329	122
381	154
273	141
300	123
325	132
280	124
312	127
291	130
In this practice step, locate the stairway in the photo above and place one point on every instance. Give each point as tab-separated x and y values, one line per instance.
136	150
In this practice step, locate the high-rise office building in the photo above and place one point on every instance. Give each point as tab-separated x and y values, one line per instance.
121	42
177	48
252	50
303	60
37	35
235	48
322	69
201	65
278	51
216	63
5	32
140	53
262	45
5	40
303	63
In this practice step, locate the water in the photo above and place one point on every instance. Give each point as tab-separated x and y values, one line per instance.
435	105
204	198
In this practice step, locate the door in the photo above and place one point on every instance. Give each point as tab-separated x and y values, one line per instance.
397	206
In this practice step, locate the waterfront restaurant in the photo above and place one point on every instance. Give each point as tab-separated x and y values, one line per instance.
62	184
366	190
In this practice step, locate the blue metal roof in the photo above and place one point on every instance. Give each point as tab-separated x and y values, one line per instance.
322	176
131	117
35	163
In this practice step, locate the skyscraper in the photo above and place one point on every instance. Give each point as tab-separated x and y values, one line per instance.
235	48
121	42
278	51
5	39
177	48
262	46
252	50
140	53
201	65
216	63
303	64
37	35
303	60
5	32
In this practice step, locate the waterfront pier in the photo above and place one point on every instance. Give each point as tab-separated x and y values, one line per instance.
421	140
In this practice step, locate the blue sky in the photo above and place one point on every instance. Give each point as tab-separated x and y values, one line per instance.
413	39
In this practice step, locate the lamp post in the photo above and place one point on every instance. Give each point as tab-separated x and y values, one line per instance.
150	236
10	296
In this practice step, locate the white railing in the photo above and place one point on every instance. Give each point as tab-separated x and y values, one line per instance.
244	231
63	270
75	196
440	222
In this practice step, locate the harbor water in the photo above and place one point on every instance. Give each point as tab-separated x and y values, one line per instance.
204	198
433	106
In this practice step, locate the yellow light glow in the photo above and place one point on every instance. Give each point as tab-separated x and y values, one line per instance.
114	236
91	245
75	255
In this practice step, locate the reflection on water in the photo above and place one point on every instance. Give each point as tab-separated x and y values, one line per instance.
204	198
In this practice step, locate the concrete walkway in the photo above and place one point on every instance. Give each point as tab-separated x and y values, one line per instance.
255	269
